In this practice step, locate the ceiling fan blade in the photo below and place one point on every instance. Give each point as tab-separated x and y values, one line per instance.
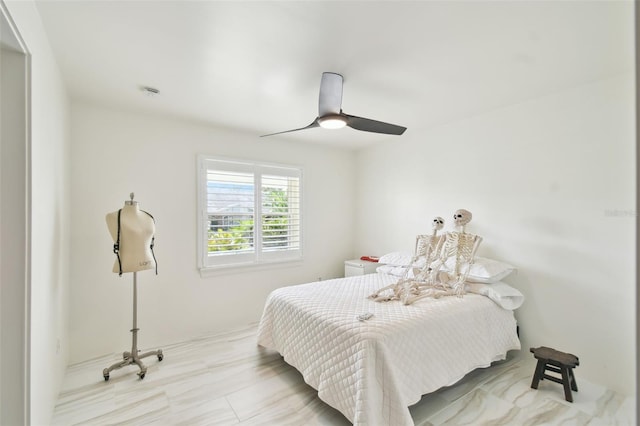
330	100
314	124
374	126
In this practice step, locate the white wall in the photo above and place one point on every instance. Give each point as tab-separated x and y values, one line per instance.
118	152
551	185
49	215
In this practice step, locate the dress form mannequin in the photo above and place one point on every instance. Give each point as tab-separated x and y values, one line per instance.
132	231
135	239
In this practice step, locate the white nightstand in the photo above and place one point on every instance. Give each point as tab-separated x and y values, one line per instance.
359	267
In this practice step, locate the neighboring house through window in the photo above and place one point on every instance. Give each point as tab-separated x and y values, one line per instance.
249	213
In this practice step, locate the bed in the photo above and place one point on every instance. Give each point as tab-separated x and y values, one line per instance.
372	360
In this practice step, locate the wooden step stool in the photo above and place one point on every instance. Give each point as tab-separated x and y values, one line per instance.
559	362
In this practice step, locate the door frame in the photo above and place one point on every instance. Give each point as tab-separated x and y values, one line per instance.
15	224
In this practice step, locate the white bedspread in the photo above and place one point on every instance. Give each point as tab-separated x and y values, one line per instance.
373	370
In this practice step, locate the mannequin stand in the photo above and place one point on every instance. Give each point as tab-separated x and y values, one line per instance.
133	357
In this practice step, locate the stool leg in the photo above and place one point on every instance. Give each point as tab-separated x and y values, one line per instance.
574	385
566	384
538	374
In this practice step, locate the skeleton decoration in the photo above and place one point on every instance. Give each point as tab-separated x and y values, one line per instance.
427	247
461	217
457	247
430	245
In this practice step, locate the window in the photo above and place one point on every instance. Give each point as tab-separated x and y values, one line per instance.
250	213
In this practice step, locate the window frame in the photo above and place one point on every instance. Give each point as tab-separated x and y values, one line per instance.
258	257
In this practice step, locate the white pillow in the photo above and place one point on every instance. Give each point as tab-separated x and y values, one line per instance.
396	258
483	270
396	271
503	294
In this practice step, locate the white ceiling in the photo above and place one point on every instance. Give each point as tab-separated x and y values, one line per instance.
256	66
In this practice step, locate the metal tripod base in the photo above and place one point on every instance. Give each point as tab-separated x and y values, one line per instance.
130	358
133	357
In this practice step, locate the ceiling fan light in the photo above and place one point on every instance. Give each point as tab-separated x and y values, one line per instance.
332	121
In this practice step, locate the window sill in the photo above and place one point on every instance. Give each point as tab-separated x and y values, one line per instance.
212	271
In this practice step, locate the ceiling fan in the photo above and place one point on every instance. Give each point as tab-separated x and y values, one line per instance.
330	115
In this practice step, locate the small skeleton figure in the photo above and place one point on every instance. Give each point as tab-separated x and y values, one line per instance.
459	246
430	245
426	247
438	224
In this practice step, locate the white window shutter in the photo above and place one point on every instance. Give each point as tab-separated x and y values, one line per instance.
253	213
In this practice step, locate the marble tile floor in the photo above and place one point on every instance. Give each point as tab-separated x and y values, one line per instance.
226	379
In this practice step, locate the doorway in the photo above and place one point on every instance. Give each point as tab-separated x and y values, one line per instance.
15	195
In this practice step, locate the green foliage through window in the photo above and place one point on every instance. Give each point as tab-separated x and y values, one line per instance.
234	238
239	235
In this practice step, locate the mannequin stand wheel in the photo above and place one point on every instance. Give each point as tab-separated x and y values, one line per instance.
133	357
